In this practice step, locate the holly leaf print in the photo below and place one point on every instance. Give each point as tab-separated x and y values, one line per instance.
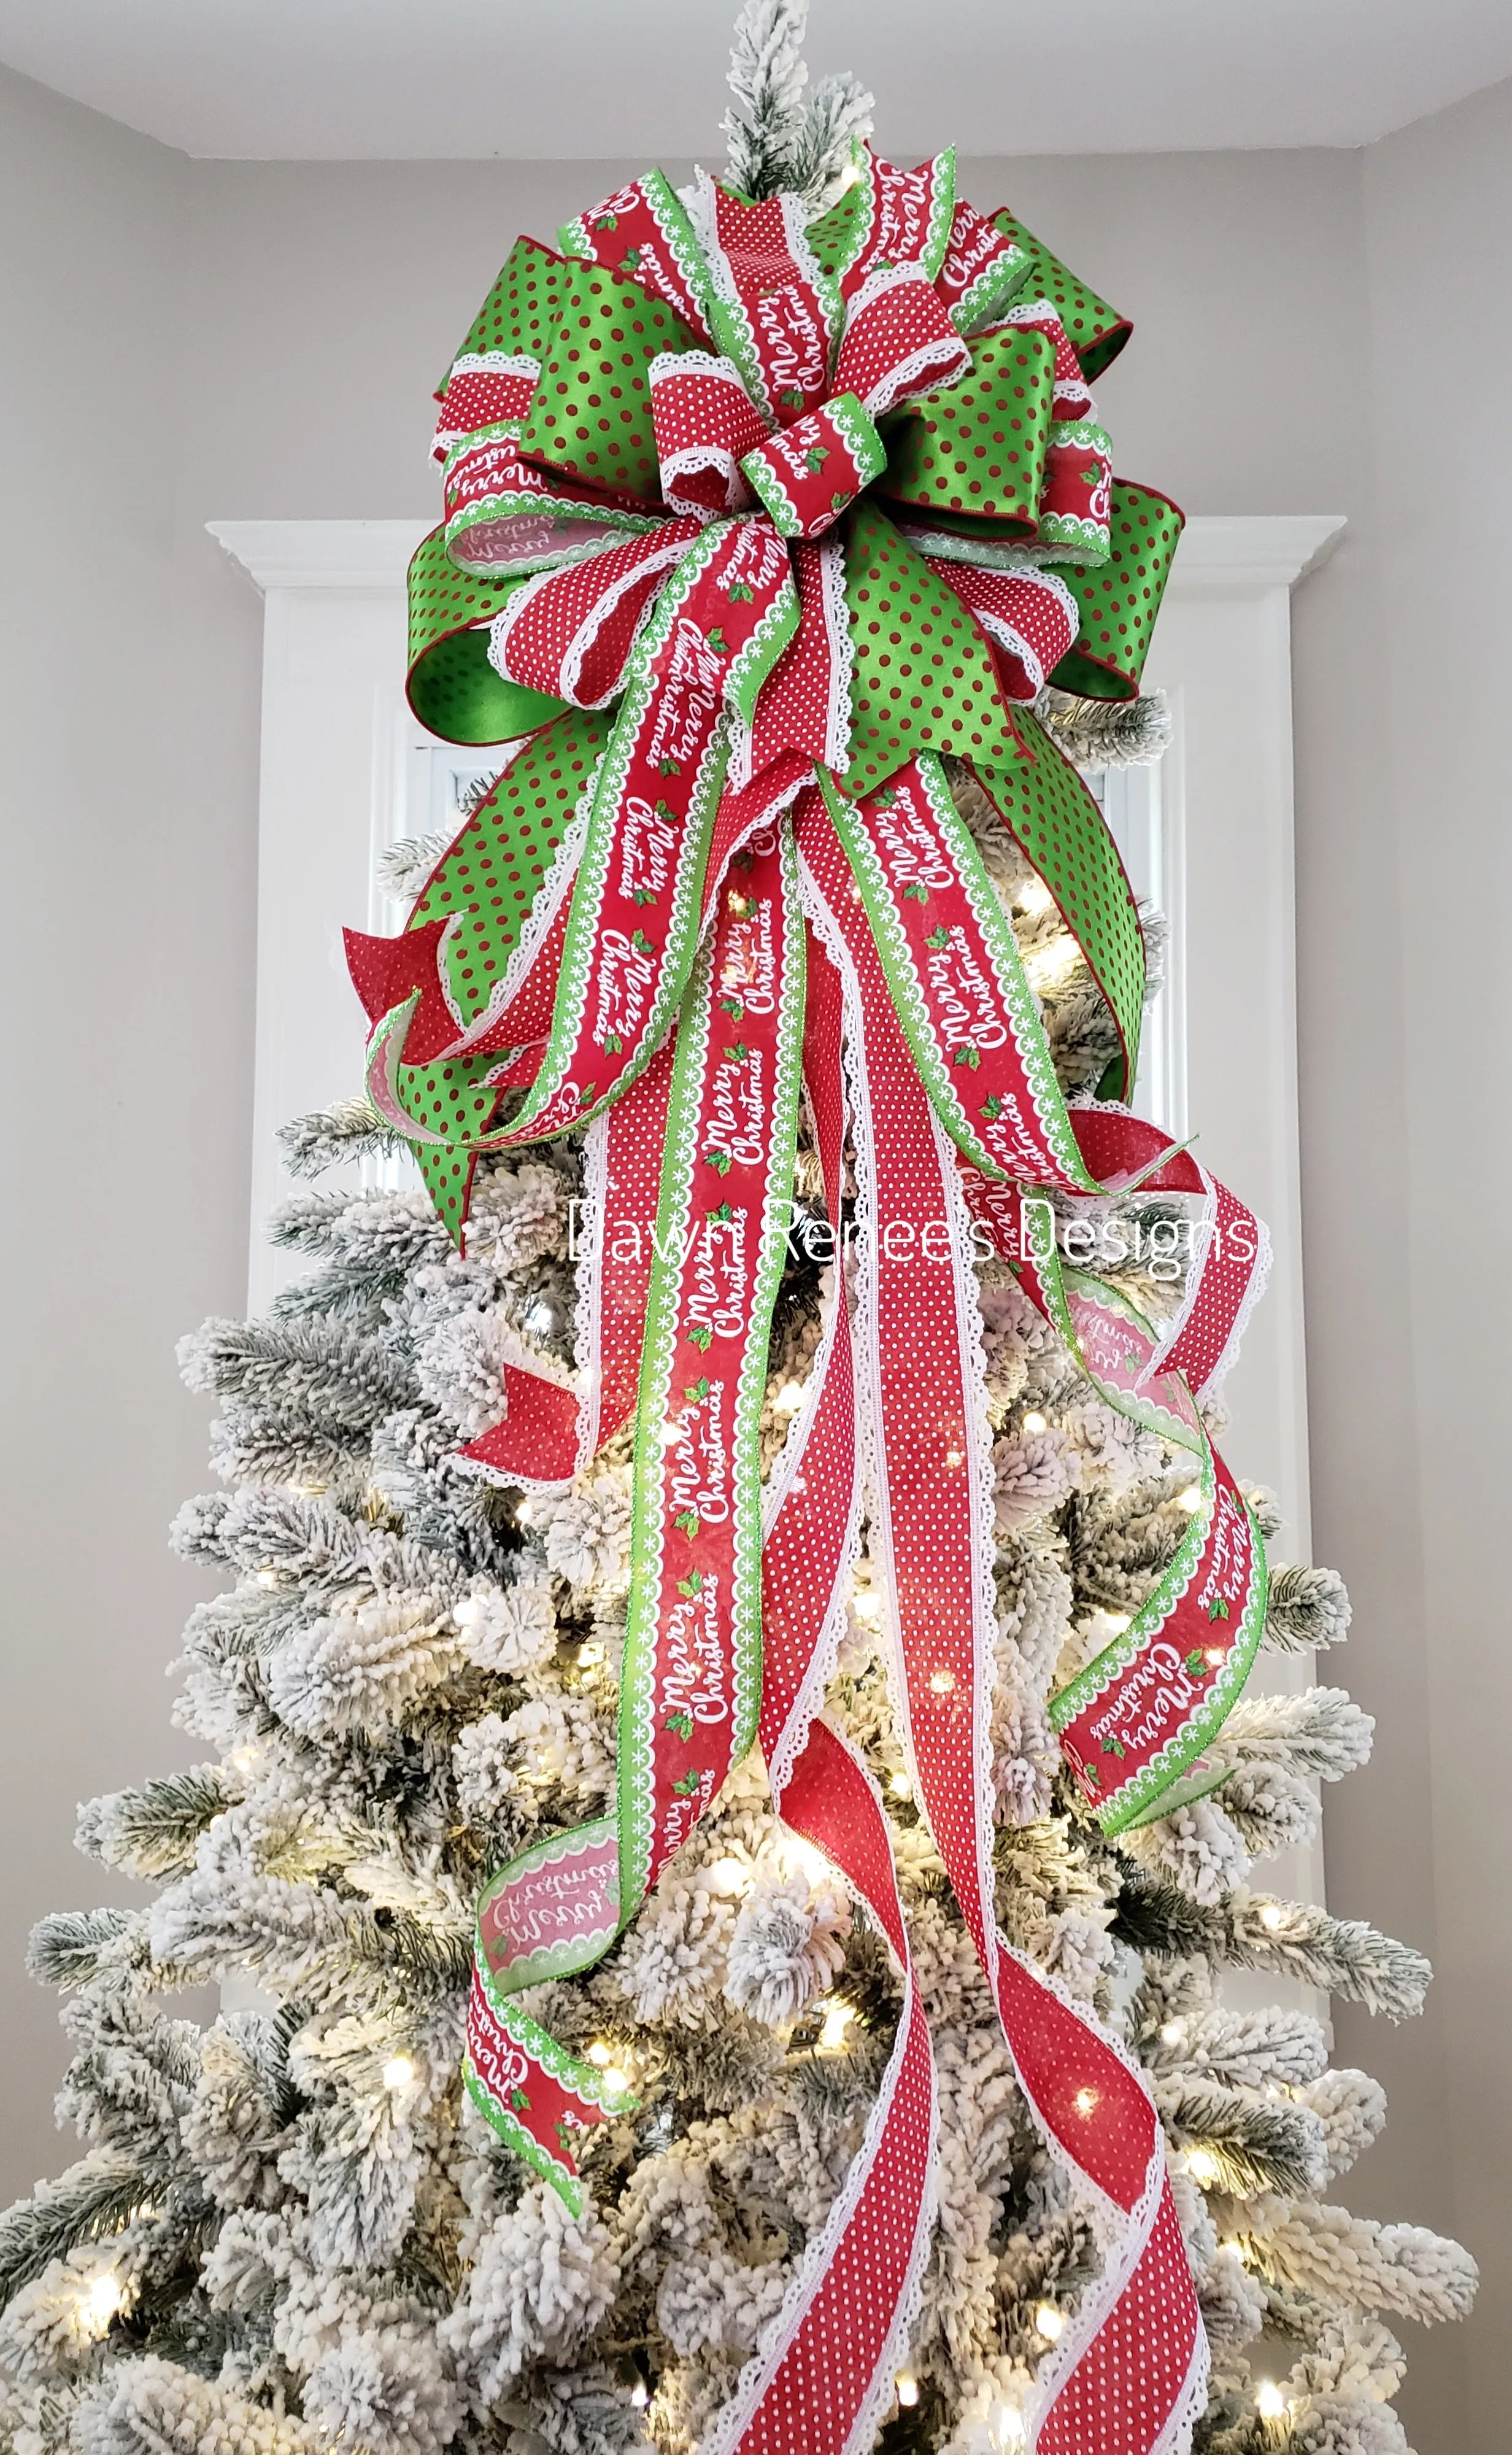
717	642
701	1338
688	1783
686	1522
697	1390
938	938
992	1109
717	1160
680	1725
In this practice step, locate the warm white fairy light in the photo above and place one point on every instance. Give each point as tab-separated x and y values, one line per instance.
1056	956
1007	2426
268	1576
540	1318
1049	2323
1273	1917
906	2387
942	1681
1086	2102
789	1398
1034	1422
838	2019
901	1786
1174	2032
730	1877
1202	2168
103	2301
398	2072
1118	1620
1191	1499
600	2054
1033	896
867	1604
639	2394
522	1514
802	1858
615	2081
1269	2401
1214	1654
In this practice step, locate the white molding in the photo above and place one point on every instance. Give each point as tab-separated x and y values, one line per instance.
1217	552
1247	550
321	553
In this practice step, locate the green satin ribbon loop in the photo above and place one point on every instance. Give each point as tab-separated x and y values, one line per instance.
453	688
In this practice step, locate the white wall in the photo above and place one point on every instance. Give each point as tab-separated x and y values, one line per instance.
1317	331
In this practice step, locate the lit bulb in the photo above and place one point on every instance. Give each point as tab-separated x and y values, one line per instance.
1202	2168
540	1318
867	1604
906	2387
267	1576
615	2081
1269	2401
1214	1655
1118	1620
1033	896
522	1514
398	2072
1173	2033
1272	1917
729	1876
901	1786
789	1398
1007	2426
102	2303
600	2054
1191	1499
803	1858
1056	956
639	2394
1034	1422
589	1655
1086	2102
244	1759
837	2018
1049	2323
942	1681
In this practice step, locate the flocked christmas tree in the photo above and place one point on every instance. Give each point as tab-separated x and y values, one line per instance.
297	2228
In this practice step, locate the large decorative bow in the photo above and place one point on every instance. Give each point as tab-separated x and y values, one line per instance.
748	525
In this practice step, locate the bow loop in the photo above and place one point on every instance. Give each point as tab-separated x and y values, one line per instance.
808	473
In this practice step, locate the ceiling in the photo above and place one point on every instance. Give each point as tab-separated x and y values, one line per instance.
527	79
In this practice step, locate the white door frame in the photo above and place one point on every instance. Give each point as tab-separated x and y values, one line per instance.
335	739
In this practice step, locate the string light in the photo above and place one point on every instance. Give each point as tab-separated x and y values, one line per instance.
906	2387
600	2054
1202	2168
540	1318
639	2394
1086	2102
729	1876
1057	955
838	2019
522	1514
954	1459
1214	1655
1191	1499
398	2072
267	1576
867	1604
802	1858
1173	2033
1034	1422
615	2081
1273	1917
942	1680
1049	2323
789	1398
1269	2401
103	2301
901	1786
1007	2426
1034	896
1118	1620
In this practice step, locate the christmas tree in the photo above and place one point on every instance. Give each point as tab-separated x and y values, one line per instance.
457	2181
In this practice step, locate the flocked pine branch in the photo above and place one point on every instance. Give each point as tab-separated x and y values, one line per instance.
778	142
1096	733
